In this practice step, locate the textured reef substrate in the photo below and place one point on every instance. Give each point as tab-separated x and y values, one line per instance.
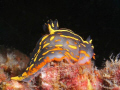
58	75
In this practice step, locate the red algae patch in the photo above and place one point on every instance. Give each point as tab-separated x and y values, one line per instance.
70	77
58	75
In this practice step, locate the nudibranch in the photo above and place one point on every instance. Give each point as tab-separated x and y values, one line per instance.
58	45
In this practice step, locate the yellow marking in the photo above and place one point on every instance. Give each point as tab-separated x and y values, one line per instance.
35	58
39	49
44	42
46	45
70	31
57	40
61	30
67	50
40	43
46	52
57	24
24	74
18	78
31	66
52	37
83	45
52	31
79	45
90	41
39	66
92	47
72	46
86	42
40	58
58	45
85	53
52	25
43	39
52	52
68	37
54	49
36	54
27	68
68	54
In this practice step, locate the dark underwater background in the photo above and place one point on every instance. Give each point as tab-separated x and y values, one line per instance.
21	23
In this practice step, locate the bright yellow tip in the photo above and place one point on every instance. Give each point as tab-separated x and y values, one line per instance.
89	87
90	41
52	31
17	78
